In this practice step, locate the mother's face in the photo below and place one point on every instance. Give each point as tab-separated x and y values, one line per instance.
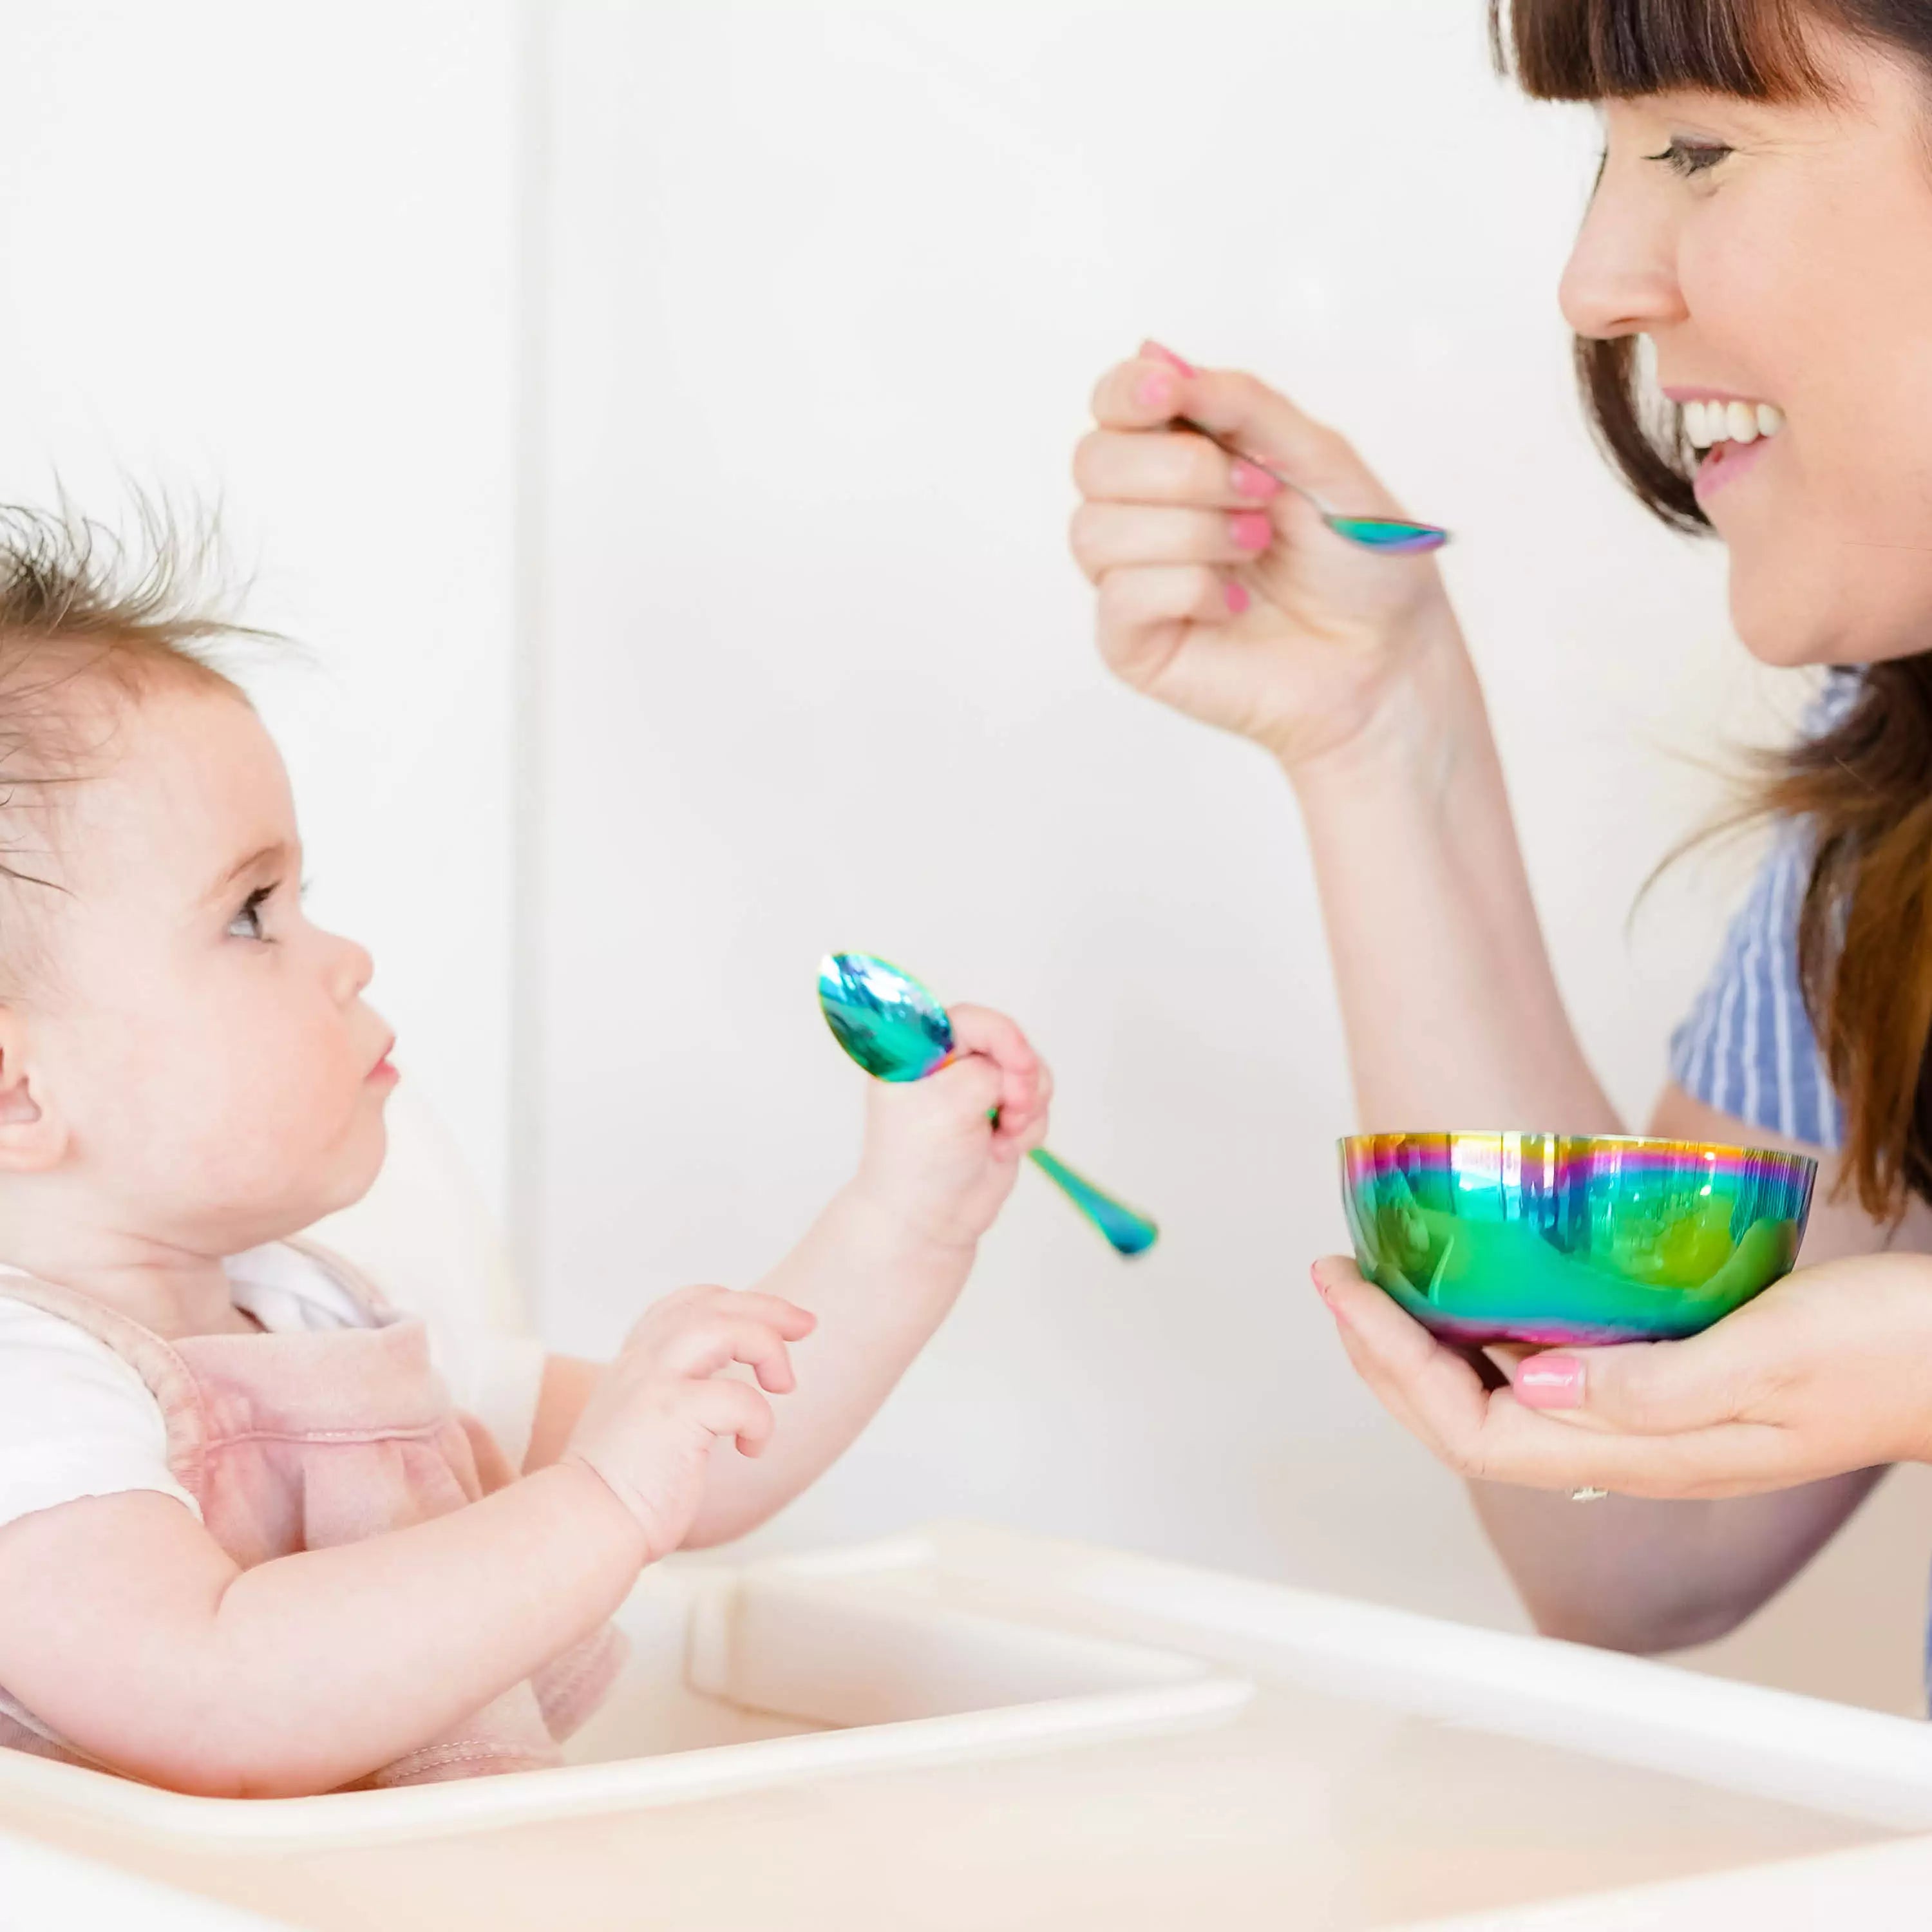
1781	255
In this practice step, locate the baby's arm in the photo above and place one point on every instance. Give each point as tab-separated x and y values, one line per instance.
152	1651
883	1264
881	1267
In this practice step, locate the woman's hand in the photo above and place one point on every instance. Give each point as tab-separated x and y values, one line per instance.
1225	595
934	1163
1827	1371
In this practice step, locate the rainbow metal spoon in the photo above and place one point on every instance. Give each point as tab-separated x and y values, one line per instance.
1393	536
896	1030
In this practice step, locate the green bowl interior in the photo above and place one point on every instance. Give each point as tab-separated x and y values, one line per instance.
1551	1238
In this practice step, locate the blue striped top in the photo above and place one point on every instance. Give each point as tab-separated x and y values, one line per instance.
1747	1047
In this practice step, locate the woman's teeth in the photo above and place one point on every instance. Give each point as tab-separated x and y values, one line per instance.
1707	423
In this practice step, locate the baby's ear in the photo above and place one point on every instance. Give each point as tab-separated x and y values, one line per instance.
32	1136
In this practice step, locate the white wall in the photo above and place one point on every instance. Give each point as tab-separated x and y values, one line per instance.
268	253
830	286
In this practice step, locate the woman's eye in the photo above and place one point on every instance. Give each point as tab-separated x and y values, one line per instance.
1686	158
247	924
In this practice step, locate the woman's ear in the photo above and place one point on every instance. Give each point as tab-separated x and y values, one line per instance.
33	1135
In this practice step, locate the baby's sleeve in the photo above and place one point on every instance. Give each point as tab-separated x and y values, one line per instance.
1746	1047
75	1419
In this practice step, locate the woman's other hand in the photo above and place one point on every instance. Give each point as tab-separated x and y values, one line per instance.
1827	1371
1225	595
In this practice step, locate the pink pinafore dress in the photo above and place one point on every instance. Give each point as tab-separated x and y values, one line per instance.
307	1441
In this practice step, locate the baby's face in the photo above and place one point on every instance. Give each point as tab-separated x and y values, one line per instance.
205	1047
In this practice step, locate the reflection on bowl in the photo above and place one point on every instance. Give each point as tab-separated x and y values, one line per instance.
1562	1238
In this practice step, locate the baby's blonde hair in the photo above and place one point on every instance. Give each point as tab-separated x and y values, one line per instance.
88	614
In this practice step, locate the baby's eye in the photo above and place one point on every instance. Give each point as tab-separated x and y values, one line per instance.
247	924
1686	158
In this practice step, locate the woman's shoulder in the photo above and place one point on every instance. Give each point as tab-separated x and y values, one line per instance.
1746	1046
1832	703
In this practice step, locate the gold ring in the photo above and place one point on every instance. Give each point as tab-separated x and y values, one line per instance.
1587	1496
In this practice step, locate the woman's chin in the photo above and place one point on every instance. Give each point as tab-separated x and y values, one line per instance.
1786	615
1784	622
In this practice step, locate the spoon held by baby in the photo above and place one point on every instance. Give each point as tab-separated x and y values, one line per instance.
896	1030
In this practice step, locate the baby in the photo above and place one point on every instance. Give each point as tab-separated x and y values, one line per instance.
248	1544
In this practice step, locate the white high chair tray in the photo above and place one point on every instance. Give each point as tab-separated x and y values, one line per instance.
968	1727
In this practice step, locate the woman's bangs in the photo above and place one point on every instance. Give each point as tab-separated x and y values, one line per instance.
1611	49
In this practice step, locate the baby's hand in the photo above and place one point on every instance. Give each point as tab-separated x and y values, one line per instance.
933	1159
648	1428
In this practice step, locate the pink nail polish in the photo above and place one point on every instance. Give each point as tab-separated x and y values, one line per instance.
1250	530
1237	594
1550	1382
1155	390
1164	355
1248	479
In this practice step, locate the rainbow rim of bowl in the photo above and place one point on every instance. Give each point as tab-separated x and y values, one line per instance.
1723	1149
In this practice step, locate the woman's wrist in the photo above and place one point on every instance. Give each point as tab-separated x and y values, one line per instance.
1429	723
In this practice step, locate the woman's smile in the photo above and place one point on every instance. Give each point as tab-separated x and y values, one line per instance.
1733	432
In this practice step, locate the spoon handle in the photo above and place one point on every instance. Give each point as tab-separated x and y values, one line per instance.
1127	1233
1393	535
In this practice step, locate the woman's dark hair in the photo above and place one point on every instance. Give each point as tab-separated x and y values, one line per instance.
1864	932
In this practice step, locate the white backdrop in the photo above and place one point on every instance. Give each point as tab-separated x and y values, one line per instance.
814	295
829	287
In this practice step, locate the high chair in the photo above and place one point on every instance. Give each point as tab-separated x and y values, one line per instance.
964	1727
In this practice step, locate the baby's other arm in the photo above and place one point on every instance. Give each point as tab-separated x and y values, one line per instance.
147	1646
154	1653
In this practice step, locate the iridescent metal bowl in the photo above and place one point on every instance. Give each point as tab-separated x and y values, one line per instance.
1554	1238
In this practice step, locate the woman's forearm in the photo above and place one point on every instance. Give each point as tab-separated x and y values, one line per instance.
1449	1004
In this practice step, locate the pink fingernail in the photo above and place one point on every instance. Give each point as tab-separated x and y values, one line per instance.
1250	530
1250	479
1550	1382
1237	594
1167	355
1155	390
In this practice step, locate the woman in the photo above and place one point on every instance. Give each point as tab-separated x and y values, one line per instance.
1764	216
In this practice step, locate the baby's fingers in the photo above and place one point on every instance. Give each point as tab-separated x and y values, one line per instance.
733	1336
736	1409
990	1035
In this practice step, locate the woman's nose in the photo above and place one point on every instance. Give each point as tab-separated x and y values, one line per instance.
1621	277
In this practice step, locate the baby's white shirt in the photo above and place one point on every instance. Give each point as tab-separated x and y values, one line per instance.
76	1420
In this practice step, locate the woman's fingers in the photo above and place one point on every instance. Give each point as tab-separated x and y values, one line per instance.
1112	536
1240	411
1496	1437
1644	1388
1157	467
1142	615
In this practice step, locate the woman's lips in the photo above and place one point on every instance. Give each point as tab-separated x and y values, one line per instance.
383	1071
1728	461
